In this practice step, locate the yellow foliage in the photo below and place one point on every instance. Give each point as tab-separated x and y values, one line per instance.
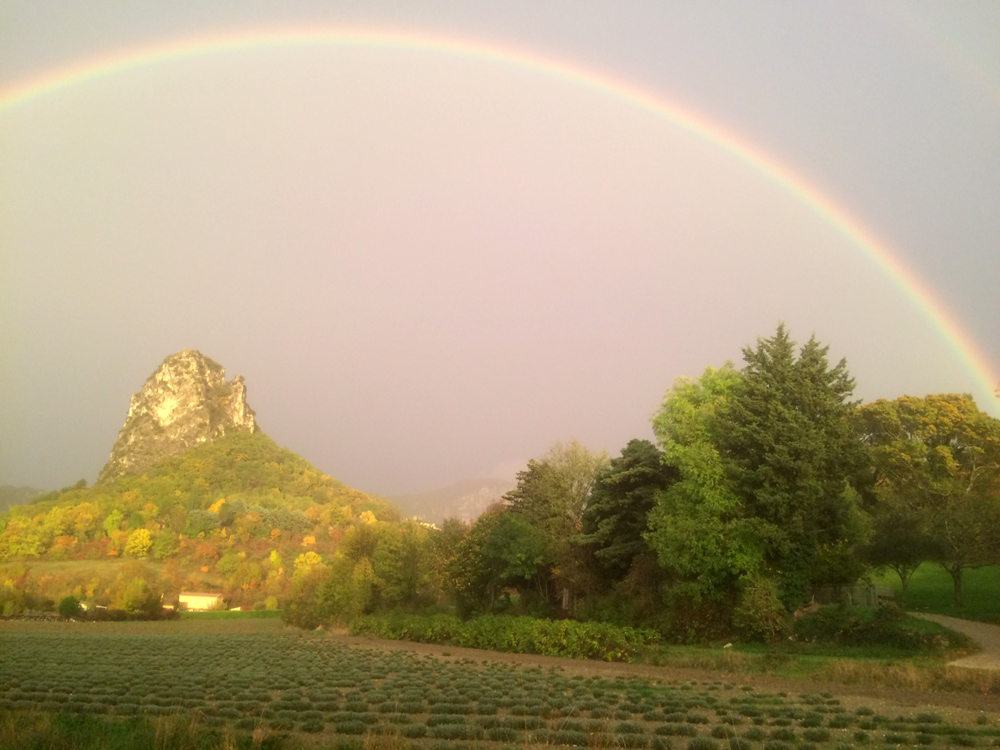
368	517
217	505
305	562
308	541
139	543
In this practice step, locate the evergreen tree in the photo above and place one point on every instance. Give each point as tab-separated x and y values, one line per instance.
791	448
617	513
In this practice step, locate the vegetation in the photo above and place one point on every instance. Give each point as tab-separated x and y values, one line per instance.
234	515
524	635
282	690
937	474
767	485
931	589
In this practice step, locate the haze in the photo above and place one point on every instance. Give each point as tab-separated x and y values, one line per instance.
430	267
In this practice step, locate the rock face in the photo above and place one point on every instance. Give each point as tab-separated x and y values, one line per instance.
185	402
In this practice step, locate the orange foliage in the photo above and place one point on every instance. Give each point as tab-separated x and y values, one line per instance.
207	551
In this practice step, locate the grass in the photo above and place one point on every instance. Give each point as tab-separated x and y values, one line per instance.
805	660
931	590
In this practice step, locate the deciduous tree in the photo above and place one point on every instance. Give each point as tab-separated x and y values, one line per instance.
937	464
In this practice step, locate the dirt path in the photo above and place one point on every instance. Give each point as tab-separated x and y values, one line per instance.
983	633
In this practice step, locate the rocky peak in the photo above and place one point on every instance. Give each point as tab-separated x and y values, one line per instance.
185	402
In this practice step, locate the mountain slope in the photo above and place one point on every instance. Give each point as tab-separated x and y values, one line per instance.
464	500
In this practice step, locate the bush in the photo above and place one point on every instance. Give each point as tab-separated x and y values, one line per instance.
70	607
760	615
566	638
862	626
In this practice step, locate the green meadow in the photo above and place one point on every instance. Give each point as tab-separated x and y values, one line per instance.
931	590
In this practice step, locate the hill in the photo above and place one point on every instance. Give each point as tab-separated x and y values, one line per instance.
464	500
16	495
232	515
194	494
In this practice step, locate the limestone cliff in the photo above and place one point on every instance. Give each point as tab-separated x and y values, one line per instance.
185	402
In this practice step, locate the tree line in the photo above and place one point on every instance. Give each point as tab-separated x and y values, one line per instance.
764	483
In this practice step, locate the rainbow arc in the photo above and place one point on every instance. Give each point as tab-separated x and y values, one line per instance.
766	165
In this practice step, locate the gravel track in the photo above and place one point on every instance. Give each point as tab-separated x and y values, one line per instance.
987	636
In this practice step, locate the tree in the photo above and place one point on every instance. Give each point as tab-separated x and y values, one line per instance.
791	451
552	493
699	526
898	541
937	465
139	543
113	521
69	607
617	512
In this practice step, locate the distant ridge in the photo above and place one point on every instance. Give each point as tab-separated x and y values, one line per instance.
17	496
464	500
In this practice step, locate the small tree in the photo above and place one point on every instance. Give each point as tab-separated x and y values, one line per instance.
139	543
69	607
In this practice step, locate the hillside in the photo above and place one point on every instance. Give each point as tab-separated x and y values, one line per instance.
194	496
233	515
464	500
16	496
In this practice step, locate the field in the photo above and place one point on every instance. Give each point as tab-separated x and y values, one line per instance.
251	683
931	590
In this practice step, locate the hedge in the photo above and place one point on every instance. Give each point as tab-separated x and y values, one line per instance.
523	635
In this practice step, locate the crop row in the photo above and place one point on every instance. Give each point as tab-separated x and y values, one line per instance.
313	683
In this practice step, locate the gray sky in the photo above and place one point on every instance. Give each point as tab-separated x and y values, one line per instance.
427	264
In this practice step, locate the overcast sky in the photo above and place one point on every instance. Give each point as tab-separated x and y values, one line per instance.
429	265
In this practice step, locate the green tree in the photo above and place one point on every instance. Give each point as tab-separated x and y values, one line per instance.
401	565
139	599
113	521
617	513
937	465
791	447
700	527
69	607
474	579
164	544
552	493
899	541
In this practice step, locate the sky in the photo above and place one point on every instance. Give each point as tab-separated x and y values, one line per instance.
437	237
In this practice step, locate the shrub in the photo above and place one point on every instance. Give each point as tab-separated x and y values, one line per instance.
760	615
70	607
862	626
579	640
816	735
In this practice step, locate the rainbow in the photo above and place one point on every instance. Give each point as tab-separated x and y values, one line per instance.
884	258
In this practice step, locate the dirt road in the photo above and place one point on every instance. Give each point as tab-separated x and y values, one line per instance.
983	633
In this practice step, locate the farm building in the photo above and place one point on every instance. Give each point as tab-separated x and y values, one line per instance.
199	600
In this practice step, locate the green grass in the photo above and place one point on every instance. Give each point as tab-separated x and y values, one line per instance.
931	590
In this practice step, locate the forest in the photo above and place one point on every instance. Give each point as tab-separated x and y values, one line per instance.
765	484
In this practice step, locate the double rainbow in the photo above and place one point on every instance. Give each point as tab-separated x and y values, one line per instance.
571	73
